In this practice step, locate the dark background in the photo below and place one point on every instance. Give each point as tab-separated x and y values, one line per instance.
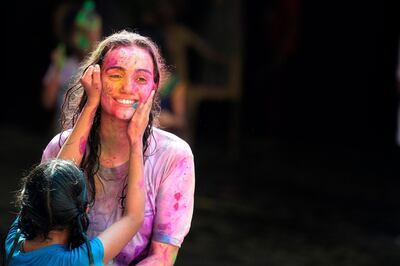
313	179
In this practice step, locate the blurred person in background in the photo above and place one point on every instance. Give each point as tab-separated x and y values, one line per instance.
175	40
78	28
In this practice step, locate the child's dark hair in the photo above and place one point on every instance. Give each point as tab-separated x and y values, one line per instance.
54	197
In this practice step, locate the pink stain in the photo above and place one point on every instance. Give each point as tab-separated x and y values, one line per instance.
141	183
181	165
111	60
176	206
82	145
178	196
163	227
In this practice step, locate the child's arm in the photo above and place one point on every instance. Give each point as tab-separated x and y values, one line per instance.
74	147
121	232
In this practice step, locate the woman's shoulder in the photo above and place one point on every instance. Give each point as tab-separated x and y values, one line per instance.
54	146
168	142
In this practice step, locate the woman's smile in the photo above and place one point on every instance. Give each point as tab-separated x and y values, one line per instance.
127	102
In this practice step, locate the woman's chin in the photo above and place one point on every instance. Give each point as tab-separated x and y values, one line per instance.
124	116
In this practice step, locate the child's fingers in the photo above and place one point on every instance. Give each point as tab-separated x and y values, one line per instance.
96	80
149	103
86	78
151	96
143	107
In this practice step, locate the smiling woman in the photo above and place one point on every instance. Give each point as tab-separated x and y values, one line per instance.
127	67
128	78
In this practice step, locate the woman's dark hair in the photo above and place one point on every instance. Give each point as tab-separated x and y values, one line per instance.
54	197
75	99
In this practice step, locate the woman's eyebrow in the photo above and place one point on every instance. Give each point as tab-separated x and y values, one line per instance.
115	67
144	70
123	69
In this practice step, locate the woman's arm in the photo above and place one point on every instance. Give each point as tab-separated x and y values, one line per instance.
160	254
174	204
121	232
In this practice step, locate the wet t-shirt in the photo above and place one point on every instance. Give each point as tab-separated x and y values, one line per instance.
169	184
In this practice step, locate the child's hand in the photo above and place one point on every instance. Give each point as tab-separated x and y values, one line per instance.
91	81
139	120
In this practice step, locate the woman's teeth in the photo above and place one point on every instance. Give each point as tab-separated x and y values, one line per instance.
124	101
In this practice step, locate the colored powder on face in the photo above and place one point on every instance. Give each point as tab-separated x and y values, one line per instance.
176	206
110	61
135	105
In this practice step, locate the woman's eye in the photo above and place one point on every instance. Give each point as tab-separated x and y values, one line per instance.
115	76
141	80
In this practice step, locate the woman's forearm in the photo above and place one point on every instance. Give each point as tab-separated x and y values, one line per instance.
160	254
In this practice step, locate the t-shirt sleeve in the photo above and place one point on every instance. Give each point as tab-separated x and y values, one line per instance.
175	197
11	235
79	255
54	146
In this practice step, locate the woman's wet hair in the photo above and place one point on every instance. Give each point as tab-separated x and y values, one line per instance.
54	197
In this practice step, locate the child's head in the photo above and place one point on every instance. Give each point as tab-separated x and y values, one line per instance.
54	197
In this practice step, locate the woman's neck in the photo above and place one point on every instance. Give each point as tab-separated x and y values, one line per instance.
114	141
54	237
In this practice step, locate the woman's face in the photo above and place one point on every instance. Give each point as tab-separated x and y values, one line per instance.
128	78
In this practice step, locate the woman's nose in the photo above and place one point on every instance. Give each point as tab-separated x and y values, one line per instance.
130	86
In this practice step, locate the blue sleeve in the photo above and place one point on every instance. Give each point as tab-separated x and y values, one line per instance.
11	235
80	254
97	251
